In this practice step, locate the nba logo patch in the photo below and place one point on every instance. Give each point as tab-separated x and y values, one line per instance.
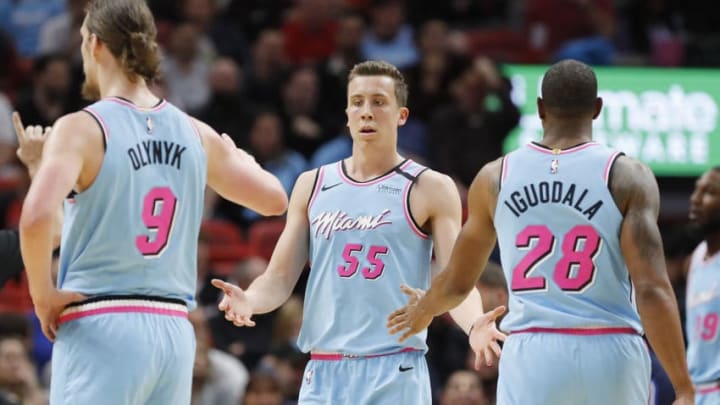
309	376
554	166
149	125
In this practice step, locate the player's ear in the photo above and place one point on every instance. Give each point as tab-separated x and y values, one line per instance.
404	114
598	107
541	108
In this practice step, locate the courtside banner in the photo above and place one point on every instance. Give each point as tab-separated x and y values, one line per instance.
667	118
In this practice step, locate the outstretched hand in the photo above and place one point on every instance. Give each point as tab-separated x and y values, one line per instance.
484	337
31	140
234	303
410	319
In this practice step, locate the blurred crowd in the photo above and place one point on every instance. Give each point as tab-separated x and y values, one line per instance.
272	74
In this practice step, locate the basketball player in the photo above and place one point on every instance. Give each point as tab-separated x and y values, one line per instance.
138	167
367	224
576	222
703	291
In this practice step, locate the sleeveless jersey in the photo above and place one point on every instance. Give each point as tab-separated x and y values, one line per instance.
703	316
364	244
134	231
558	230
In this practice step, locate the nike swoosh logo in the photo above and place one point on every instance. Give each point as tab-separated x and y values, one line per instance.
323	188
403	369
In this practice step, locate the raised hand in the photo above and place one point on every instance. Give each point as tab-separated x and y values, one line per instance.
234	303
484	337
410	319
31	140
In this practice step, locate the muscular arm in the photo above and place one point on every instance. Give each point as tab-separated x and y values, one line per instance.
635	191
472	247
274	286
73	138
445	207
236	176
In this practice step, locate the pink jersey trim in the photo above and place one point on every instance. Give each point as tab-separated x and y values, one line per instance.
579	331
99	118
350	181
503	176
608	166
564	151
194	127
316	189
158	107
341	356
708	388
121	309
406	209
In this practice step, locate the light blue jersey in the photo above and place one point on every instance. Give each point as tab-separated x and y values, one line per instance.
703	324
130	243
134	230
364	244
572	321
558	230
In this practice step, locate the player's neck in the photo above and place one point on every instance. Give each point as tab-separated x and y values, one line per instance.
368	163
118	85
713	244
559	134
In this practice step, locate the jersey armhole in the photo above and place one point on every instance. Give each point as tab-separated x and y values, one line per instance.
503	171
316	183
411	219
609	169
100	123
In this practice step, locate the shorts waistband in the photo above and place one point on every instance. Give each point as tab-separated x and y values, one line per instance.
109	304
707	387
579	331
343	356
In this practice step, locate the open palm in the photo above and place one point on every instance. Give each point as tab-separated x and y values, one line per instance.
234	303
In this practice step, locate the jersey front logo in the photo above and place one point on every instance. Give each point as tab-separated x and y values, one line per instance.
554	165
149	125
328	222
326	187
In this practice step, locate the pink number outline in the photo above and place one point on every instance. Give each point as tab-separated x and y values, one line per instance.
376	264
161	222
575	255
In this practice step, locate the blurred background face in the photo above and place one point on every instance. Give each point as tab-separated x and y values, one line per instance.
301	92
266	136
350	33
434	37
184	42
54	80
263	390
225	77
387	19
463	388
13	361
705	203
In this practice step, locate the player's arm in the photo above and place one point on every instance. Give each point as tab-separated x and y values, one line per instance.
635	191
274	286
445	207
237	177
63	157
471	249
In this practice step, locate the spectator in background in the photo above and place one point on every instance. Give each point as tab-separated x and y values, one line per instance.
61	34
247	344
23	20
8	141
185	69
390	38
464	388
18	377
227	110
263	389
468	133
308	124
218	377
268	69
309	31
47	99
268	145
217	34
572	29
430	79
